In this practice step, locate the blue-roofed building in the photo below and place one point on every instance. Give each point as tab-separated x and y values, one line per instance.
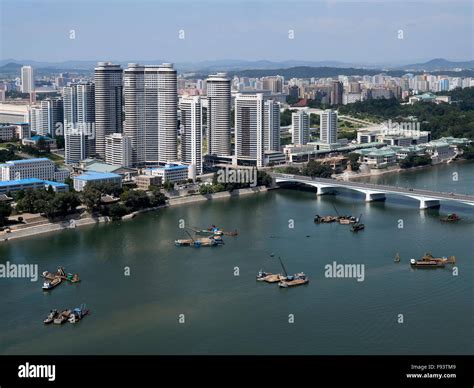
39	168
31	184
81	181
170	172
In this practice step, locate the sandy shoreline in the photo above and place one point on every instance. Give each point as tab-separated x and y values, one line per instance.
63	225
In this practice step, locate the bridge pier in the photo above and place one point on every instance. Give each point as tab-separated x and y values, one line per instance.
321	190
369	197
428	203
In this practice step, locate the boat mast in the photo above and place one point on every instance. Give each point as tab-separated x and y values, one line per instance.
282	266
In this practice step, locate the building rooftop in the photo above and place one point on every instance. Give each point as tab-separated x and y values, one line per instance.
101	167
23	161
91	176
20	182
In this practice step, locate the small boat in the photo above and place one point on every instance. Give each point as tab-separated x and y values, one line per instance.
62	317
426	264
357	226
78	313
397	258
444	260
295	280
452	217
269	277
324	220
51	316
50	284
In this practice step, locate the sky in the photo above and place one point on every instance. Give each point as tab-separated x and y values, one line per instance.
347	31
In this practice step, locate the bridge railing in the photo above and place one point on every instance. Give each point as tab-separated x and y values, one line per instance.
376	187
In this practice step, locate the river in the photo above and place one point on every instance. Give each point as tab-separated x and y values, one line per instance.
181	300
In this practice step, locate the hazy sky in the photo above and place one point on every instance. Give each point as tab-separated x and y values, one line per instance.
349	31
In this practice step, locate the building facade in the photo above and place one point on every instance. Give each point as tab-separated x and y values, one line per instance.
108	103
218	115
191	133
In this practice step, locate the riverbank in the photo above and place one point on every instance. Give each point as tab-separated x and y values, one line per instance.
87	221
395	169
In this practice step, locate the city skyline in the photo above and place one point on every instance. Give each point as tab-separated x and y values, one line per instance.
312	31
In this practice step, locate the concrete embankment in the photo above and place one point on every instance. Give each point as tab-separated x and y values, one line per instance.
53	227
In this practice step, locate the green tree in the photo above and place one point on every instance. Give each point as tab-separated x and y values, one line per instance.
168	185
91	197
5	212
354	160
117	211
316	169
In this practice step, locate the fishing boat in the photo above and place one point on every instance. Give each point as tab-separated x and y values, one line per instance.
269	277
73	278
51	316
357	226
200	242
444	259
426	264
397	258
62	317
78	313
452	217
324	220
50	284
295	280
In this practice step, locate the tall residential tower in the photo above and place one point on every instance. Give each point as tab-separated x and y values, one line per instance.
108	103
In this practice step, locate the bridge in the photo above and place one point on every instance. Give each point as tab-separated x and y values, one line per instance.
427	198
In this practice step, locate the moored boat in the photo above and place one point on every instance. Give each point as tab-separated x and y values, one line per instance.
51	316
62	317
78	313
50	284
426	264
295	280
452	217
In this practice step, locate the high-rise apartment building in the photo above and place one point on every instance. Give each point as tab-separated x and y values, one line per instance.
79	119
249	127
336	93
191	133
218	115
118	150
300	128
328	126
272	126
108	103
27	79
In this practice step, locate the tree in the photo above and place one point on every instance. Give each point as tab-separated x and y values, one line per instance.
263	179
117	211
157	198
168	185
316	169
354	160
5	212
91	197
135	199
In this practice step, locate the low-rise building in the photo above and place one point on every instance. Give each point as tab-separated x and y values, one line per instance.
170	172
144	182
81	181
39	168
378	158
31	184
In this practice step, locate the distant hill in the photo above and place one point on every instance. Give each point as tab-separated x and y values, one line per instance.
439	64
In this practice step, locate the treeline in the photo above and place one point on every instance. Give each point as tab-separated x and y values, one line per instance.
455	119
262	178
55	205
413	160
312	169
